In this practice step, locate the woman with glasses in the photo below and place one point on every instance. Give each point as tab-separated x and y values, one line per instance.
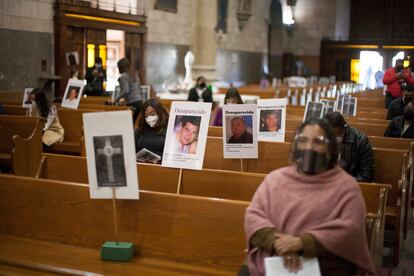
312	209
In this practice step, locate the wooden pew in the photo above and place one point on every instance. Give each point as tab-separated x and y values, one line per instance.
182	230
220	184
21	143
390	167
94	100
11	97
14	110
54	166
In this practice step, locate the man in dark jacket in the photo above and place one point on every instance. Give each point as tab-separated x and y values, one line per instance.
95	78
356	155
396	107
200	93
402	126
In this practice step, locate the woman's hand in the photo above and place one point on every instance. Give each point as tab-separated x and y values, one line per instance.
286	244
292	262
121	101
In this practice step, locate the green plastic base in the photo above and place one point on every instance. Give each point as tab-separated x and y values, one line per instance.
121	251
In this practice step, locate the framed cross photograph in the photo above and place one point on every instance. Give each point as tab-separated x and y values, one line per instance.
110	154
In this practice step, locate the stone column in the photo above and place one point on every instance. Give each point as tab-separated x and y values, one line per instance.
204	41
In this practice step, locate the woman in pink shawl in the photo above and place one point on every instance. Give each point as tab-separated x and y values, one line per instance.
312	209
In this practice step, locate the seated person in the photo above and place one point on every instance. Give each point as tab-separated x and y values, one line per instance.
53	131
312	209
185	136
239	131
270	120
152	127
402	126
232	97
396	107
200	93
356	156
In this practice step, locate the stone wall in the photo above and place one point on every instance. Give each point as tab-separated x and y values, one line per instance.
26	33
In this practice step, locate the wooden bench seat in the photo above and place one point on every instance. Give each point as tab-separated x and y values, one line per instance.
21	143
22	256
176	228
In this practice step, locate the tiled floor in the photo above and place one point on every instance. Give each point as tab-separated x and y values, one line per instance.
406	266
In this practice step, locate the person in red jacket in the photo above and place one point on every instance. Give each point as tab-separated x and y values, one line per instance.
395	78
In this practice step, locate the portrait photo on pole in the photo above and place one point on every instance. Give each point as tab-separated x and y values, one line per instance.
240	131
313	110
110	153
328	106
73	94
186	135
271	119
27	101
349	106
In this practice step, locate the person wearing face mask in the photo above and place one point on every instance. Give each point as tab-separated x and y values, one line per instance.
152	127
95	78
356	156
395	78
311	208
396	107
200	93
402	126
232	97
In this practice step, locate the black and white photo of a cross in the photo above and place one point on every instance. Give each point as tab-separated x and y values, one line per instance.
109	151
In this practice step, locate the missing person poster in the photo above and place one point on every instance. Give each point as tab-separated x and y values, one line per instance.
271	119
349	106
186	138
313	110
27	100
328	106
73	94
240	131
110	153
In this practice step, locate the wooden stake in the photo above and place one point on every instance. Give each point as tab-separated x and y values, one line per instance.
241	165
179	181
114	209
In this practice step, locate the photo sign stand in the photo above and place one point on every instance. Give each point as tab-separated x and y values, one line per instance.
112	173
240	132
186	137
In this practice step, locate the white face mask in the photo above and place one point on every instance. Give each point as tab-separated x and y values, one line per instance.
151	120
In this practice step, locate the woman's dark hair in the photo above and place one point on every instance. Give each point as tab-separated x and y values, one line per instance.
199	78
333	149
42	102
233	93
335	119
162	123
124	66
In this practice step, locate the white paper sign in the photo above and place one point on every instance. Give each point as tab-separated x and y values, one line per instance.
271	119
274	267
186	138
240	131
27	102
328	106
313	110
110	152
349	106
73	94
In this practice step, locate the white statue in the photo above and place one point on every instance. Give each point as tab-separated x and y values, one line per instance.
188	63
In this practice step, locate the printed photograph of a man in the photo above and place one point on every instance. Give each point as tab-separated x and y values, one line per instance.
241	127
270	120
185	136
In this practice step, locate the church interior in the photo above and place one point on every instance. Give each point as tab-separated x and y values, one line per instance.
206	137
